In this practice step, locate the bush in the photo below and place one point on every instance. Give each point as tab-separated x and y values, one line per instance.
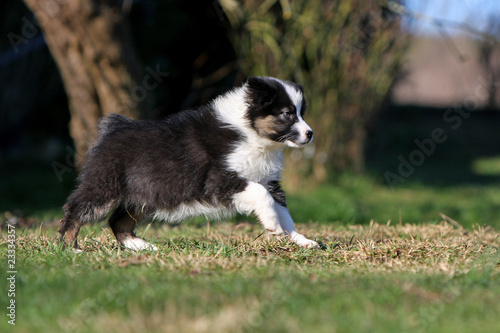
345	53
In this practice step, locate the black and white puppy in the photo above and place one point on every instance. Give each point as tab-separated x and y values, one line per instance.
222	158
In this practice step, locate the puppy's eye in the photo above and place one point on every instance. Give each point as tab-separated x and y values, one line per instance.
287	114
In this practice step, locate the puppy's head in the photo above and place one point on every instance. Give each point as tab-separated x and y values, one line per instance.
275	111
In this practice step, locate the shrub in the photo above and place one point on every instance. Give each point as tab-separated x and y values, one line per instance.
345	53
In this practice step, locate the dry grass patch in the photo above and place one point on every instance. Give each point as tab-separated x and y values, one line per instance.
228	277
377	247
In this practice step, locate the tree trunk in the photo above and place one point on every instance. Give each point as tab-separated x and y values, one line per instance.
91	45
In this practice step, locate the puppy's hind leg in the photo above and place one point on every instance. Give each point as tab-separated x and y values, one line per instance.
77	212
123	224
69	232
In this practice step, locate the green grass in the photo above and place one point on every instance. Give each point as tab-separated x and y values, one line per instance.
224	278
415	273
33	193
356	199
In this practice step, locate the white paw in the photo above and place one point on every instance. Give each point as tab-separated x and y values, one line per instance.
138	244
302	241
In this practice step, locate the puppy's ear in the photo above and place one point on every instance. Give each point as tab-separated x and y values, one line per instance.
262	91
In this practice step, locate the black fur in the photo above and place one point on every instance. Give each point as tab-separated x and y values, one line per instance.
141	166
136	168
277	192
134	160
269	97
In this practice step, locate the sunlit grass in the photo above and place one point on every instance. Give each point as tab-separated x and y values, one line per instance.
226	278
356	199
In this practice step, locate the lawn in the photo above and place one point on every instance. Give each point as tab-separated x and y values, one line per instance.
32	192
227	277
416	258
358	200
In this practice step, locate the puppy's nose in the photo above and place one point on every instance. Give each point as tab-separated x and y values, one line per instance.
309	134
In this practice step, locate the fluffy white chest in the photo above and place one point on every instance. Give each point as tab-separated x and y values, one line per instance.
256	164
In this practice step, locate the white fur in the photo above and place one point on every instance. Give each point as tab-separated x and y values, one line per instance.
184	211
257	199
302	241
254	164
260	160
231	108
289	228
301	126
294	94
138	244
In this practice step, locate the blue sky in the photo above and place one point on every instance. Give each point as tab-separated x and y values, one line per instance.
474	12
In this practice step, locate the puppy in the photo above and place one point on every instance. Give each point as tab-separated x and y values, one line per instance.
222	158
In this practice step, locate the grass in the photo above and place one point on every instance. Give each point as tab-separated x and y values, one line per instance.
389	264
32	193
225	278
358	200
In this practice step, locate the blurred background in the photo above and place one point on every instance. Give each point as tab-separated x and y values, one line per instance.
403	96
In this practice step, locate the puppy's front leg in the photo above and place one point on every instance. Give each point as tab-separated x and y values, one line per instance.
289	228
285	219
257	199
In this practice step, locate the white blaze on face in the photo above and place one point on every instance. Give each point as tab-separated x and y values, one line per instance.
301	126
